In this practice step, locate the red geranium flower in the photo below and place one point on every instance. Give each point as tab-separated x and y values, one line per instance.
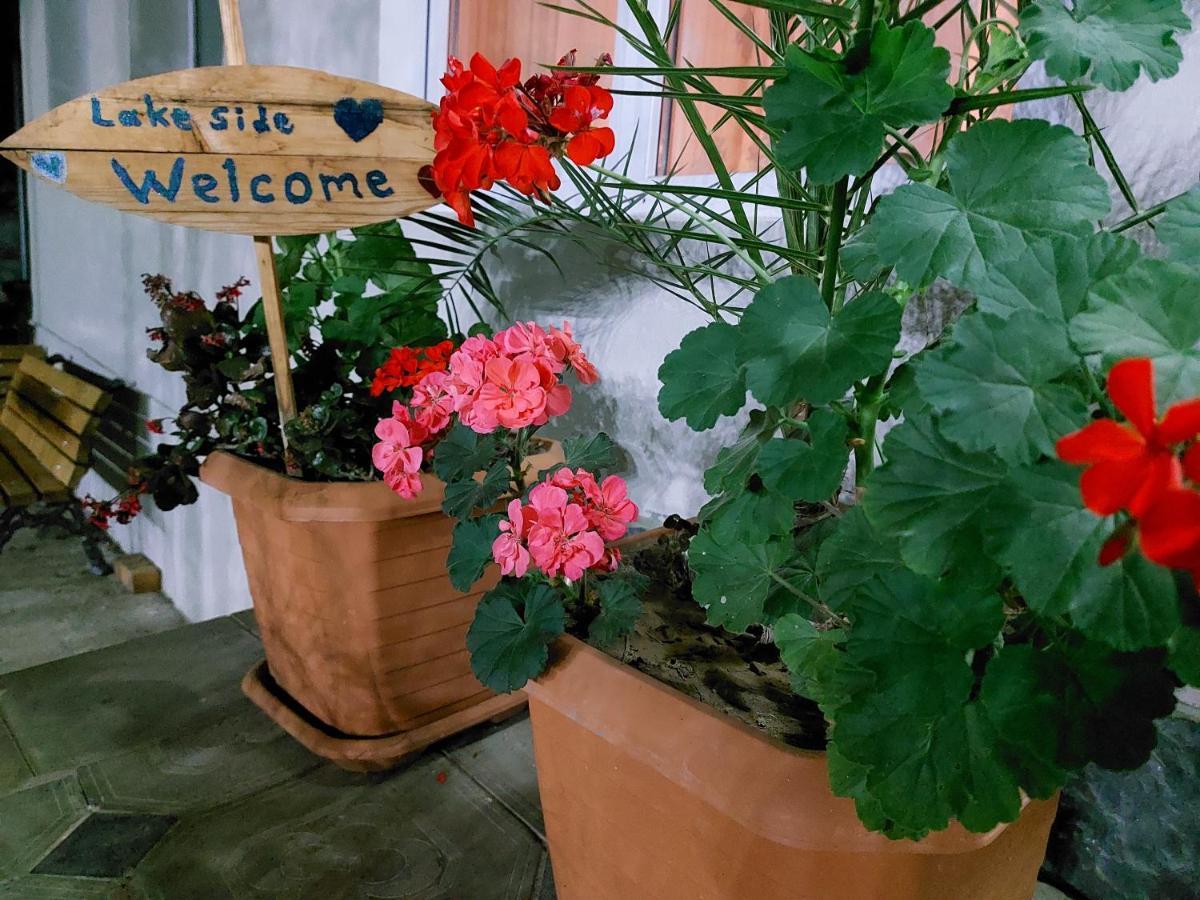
1129	467
489	126
1169	532
154	426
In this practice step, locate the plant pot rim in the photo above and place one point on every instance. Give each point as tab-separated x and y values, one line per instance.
293	500
714	755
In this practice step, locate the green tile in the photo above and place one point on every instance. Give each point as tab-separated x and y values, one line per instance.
331	835
246	619
13	770
57	887
500	758
90	707
242	754
34	819
105	845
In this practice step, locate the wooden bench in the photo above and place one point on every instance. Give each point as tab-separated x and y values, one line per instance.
10	357
46	425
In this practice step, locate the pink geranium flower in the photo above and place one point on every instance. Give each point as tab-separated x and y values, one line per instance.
611	510
397	458
528	338
509	550
511	397
565	348
561	542
433	401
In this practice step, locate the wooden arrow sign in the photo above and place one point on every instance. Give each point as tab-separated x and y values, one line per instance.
242	149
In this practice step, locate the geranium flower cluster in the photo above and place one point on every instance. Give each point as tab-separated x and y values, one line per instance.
511	381
564	527
123	508
1148	468
490	127
405	366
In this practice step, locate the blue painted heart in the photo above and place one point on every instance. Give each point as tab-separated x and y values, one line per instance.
51	164
358	118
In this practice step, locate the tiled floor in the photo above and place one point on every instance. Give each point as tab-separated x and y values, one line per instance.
132	768
139	771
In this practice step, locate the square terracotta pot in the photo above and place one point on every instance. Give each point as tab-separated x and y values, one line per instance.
365	637
648	793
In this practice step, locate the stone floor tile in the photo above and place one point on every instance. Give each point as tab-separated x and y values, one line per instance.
246	619
13	770
34	819
242	754
1045	892
105	845
58	887
90	707
334	836
51	607
500	758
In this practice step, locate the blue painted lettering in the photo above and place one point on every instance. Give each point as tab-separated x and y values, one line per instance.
218	118
376	179
254	183
230	168
340	181
151	182
98	118
155	115
282	124
203	185
290	194
129	118
181	118
261	125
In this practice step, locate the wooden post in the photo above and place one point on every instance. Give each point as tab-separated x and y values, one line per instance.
285	394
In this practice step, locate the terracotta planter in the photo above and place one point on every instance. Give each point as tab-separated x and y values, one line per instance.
648	793
365	638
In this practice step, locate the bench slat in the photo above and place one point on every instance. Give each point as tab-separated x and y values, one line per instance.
16	351
65	470
42	480
87	396
66	443
58	406
13	485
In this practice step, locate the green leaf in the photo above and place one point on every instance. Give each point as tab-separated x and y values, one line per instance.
1052	275
932	496
792	349
1048	543
1018	694
620	608
808	470
755	514
1106	41
854	554
1044	185
471	550
702	380
930	753
1179	228
465	496
1152	310
993	385
735	463
1185	654
462	453
812	655
731	578
597	454
514	624
833	120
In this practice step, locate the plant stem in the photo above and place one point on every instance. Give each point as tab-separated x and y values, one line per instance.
868	419
811	601
1092	130
833	244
